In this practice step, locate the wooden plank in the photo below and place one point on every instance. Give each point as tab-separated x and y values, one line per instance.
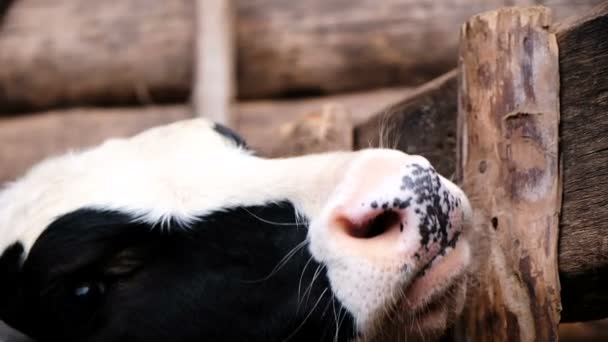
509	109
596	331
422	123
215	60
115	52
583	255
25	140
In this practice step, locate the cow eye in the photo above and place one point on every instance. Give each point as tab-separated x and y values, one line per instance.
89	289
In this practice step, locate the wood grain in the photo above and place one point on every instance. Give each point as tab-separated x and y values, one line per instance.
583	255
509	109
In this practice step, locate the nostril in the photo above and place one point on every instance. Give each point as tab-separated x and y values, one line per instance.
375	226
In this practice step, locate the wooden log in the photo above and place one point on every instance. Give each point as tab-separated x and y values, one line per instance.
583	257
509	114
215	60
257	120
323	47
25	140
422	123
76	52
588	331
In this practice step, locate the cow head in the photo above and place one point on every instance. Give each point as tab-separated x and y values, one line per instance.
180	233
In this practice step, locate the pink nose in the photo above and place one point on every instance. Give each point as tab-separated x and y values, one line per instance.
396	204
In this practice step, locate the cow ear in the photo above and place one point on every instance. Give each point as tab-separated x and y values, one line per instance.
12	309
230	135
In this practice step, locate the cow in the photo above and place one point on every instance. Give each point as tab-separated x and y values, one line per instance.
183	233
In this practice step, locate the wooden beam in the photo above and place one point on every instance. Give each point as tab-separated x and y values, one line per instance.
215	60
509	109
25	140
422	123
583	257
118	52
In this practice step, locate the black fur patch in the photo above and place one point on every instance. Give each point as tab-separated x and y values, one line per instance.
10	287
97	275
230	134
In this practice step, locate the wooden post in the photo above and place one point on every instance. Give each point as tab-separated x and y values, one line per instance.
215	60
508	150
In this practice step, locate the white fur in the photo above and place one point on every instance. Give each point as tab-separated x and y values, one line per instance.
181	171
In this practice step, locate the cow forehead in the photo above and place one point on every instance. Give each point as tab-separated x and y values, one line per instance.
180	171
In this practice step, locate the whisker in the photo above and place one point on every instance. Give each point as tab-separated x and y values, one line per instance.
307	316
302	276
314	277
281	263
273	222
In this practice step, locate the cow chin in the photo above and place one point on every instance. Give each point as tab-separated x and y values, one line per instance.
428	305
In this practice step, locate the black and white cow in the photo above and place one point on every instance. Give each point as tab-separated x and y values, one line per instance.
181	234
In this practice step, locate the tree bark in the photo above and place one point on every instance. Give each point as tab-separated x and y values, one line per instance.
508	131
76	52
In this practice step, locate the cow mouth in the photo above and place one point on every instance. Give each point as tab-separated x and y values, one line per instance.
433	287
